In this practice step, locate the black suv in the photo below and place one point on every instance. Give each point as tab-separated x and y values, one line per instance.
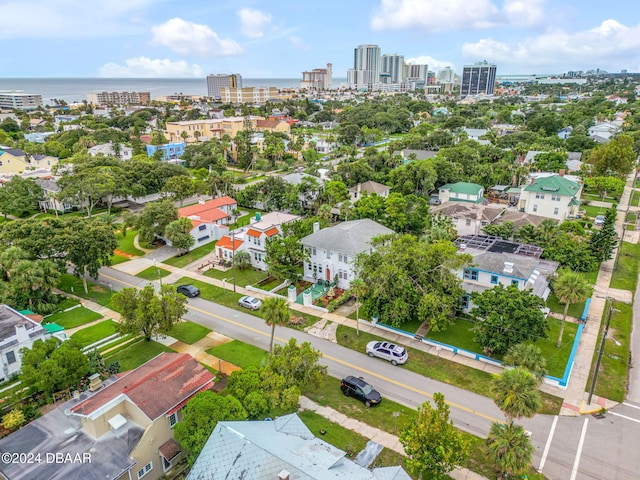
356	387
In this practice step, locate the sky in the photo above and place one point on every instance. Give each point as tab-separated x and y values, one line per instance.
281	38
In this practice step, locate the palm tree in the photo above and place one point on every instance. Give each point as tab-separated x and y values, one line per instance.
358	289
570	287
242	260
528	356
516	393
276	313
509	448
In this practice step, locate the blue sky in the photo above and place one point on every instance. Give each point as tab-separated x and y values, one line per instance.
280	38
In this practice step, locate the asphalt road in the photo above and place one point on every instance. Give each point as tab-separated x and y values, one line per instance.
567	448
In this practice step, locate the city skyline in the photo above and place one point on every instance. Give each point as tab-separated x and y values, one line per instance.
260	39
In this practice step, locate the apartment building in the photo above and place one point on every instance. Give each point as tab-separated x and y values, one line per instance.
119	98
216	82
247	94
14	99
317	79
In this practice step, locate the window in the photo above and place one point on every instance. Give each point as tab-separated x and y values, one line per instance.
11	357
514	282
468	222
173	419
535	208
494	279
202	239
202	227
320	269
540	195
470	274
166	464
555	198
313	251
465	301
329	254
556	210
146	469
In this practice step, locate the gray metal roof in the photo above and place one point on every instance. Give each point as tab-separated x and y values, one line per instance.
352	237
10	319
261	450
57	432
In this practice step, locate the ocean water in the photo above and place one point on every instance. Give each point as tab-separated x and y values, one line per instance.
75	89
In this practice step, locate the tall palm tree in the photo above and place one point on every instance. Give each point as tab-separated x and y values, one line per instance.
358	289
276	313
509	448
570	287
528	356
516	393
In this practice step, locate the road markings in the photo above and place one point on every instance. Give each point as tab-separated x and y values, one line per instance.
576	462
334	359
630	405
548	445
624	416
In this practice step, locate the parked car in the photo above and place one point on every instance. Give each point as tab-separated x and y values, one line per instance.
389	351
356	387
599	220
250	302
188	290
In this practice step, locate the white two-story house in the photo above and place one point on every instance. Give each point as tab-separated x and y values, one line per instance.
333	250
550	195
210	219
461	192
499	262
16	332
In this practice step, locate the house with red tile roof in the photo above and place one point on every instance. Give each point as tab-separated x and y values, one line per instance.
122	431
210	219
253	238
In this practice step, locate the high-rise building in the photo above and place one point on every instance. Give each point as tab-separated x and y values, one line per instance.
415	72
317	79
216	82
446	75
392	68
10	99
479	78
366	66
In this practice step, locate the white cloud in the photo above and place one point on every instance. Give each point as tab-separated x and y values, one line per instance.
188	38
254	22
610	45
434	64
298	42
143	67
441	16
71	18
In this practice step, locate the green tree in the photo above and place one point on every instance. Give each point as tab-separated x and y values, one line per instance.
298	364
604	241
527	355
19	196
200	417
506	317
178	233
613	159
14	419
510	448
434	447
276	313
570	287
144	312
605	185
242	260
154	218
516	393
284	255
179	188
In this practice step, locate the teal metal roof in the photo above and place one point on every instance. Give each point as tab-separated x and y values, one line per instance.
52	327
463	187
554	184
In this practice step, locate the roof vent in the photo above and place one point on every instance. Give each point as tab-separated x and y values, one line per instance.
283	475
462	247
508	267
117	421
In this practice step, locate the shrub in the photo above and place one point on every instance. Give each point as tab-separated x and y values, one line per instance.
13	420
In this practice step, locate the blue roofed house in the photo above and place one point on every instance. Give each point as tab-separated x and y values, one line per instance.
461	192
282	449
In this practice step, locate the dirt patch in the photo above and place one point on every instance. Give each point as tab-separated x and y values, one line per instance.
124	254
98	289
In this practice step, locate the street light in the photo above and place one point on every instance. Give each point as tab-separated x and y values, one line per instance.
155	264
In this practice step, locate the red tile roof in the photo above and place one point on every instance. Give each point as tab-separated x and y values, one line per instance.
207	211
253	233
267	123
155	387
271	232
169	449
227	243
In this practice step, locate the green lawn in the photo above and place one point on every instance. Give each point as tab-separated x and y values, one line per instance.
431	366
137	354
181	261
117	259
246	218
96	332
625	275
613	372
557	358
97	293
634	201
188	332
230	299
73	318
273	283
248	276
460	333
153	273
240	354
575	309
592	276
125	244
592	210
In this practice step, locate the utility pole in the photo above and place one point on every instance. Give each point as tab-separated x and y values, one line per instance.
594	379
233	258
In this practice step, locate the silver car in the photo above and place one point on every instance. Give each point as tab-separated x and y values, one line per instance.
250	302
389	351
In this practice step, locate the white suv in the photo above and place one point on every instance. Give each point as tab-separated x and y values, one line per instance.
389	351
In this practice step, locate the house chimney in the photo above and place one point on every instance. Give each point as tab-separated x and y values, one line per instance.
508	267
21	333
283	475
561	173
533	180
316	227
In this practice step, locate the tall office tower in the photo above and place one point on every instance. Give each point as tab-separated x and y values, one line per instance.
366	66
446	75
317	79
416	72
216	82
392	68
478	78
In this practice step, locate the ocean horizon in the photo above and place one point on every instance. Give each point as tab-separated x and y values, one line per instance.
75	89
